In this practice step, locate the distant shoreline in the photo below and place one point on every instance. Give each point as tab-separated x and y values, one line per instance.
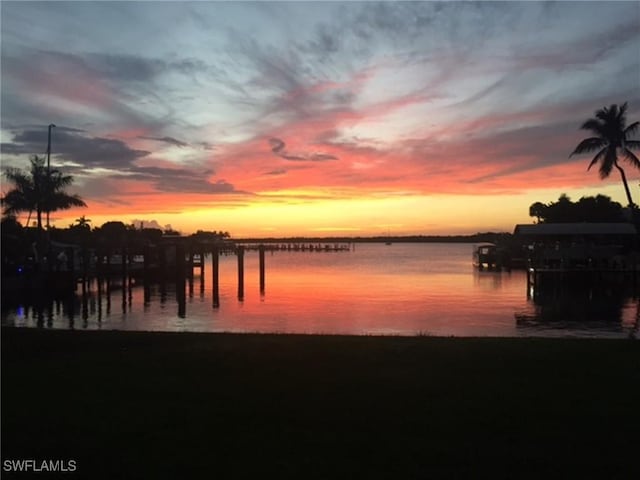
475	238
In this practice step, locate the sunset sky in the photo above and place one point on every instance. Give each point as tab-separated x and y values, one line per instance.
316	118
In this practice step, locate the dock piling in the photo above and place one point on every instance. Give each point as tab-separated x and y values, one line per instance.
215	265
240	254
261	256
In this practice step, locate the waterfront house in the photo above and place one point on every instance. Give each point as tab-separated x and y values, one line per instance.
580	245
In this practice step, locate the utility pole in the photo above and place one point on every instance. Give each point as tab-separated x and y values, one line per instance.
51	125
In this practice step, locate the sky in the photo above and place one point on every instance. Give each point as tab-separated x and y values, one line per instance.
316	118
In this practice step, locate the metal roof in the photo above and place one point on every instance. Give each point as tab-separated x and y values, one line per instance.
576	229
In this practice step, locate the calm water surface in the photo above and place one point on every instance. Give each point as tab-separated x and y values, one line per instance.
398	289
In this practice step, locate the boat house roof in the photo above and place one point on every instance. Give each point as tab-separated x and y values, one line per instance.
575	229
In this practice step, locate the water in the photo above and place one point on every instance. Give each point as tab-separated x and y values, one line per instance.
398	289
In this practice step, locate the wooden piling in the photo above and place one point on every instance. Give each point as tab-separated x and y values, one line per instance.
202	257
240	254
124	294
123	259
180	262
190	283
107	274
146	263
261	256
108	257
163	260
181	297
215	266
146	295
190	264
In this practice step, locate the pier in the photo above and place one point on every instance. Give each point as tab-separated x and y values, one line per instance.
299	247
69	268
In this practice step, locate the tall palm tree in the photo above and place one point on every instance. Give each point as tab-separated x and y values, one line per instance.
40	190
612	142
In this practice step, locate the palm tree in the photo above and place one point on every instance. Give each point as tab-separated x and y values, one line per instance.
22	197
82	222
40	190
611	141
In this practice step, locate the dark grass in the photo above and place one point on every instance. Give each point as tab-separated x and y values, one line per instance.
162	405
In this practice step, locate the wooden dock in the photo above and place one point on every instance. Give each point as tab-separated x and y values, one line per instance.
299	247
125	265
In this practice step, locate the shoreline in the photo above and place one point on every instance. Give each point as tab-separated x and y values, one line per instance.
559	335
226	405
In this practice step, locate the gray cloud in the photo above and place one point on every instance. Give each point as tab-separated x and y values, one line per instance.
278	147
166	139
286	83
112	67
278	172
178	180
588	50
130	91
288	78
115	156
72	145
193	184
206	145
65	78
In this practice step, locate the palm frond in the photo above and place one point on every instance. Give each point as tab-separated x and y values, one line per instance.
631	129
631	157
607	163
594	126
15	202
63	201
597	158
17	176
602	114
622	112
589	145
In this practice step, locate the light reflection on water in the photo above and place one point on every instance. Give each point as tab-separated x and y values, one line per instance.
400	289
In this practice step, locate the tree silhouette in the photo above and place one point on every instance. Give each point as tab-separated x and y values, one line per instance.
82	222
40	189
22	197
598	209
537	210
611	141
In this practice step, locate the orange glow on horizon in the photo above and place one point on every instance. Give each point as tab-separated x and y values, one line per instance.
403	215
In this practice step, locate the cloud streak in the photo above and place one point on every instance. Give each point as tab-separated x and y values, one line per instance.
278	147
167	139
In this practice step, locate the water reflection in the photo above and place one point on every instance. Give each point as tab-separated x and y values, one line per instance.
376	289
600	306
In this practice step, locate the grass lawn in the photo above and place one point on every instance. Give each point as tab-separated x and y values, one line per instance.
164	405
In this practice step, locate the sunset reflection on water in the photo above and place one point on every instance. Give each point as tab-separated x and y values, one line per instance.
399	289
